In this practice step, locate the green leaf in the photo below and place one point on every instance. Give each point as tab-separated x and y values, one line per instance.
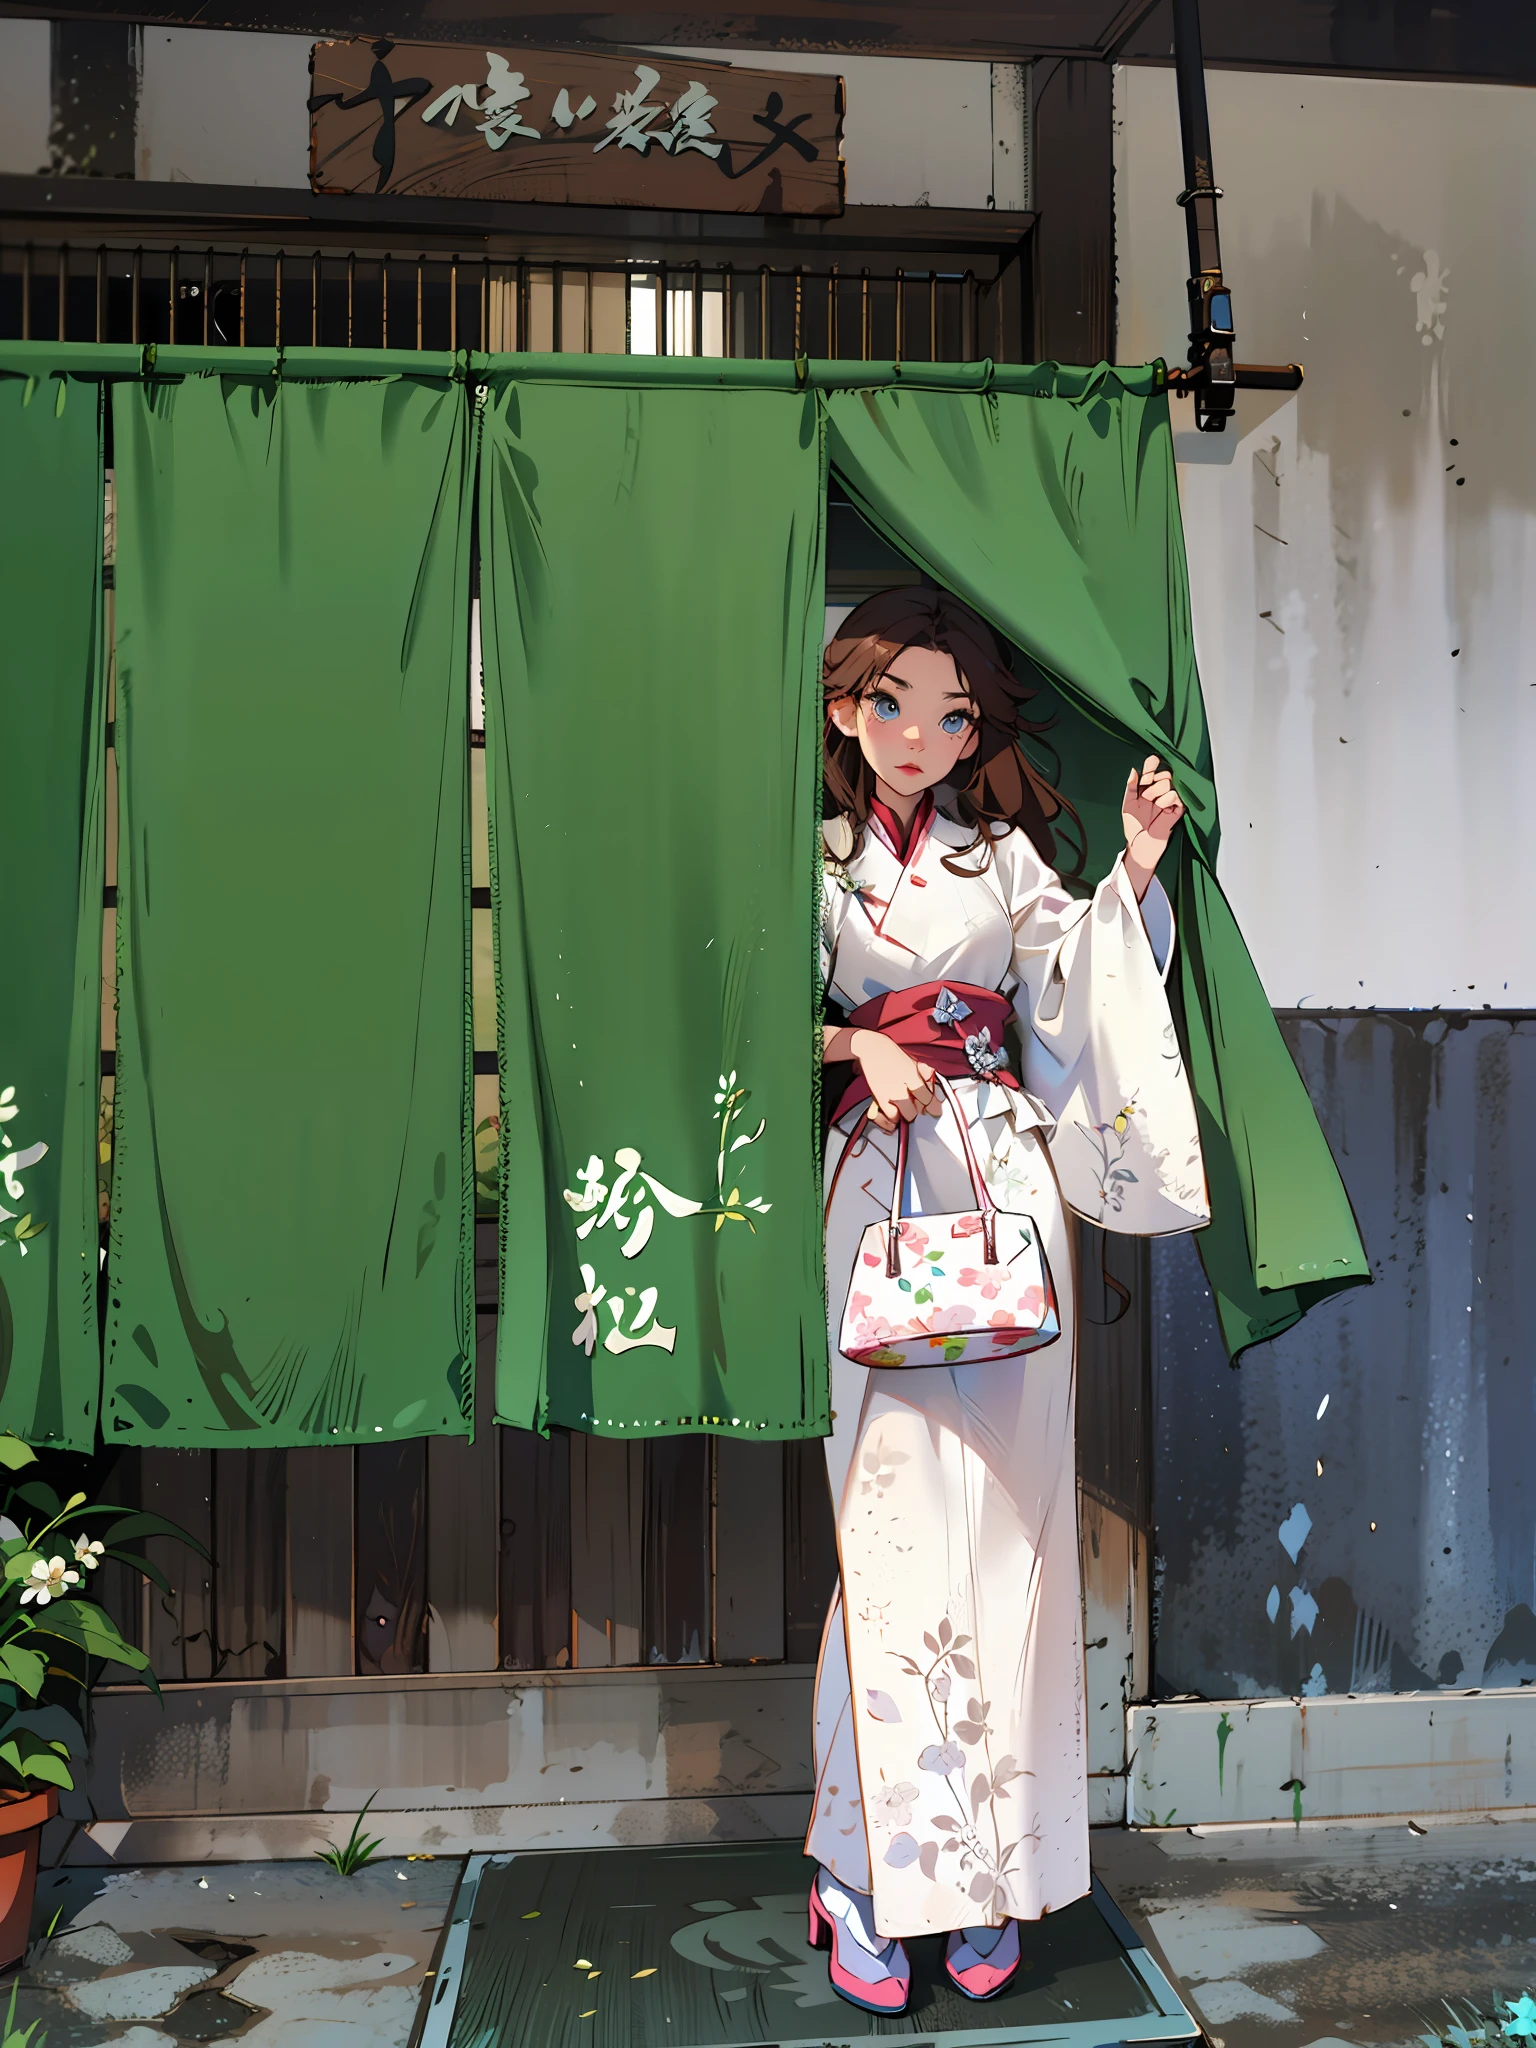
24	1667
15	1456
152	1572
923	1294
37	1493
77	1621
132	1523
905	1286
20	1562
31	1756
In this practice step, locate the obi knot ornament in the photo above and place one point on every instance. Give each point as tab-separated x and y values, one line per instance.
961	1288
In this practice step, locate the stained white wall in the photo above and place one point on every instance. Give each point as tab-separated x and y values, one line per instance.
24	97
220	107
1362	555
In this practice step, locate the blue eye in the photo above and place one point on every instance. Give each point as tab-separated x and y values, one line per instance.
955	722
885	707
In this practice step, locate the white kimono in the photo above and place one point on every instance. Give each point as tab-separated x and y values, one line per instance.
949	1697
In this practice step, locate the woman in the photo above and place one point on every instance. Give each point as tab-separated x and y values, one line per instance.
950	1791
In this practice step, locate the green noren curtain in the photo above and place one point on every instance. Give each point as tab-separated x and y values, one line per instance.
291	1254
652	623
1054	512
50	915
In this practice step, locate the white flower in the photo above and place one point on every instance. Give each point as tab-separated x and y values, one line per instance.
892	1805
87	1552
48	1581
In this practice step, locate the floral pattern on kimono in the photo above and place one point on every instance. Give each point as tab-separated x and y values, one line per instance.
950	1694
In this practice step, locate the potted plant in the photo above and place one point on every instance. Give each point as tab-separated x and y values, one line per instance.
51	1632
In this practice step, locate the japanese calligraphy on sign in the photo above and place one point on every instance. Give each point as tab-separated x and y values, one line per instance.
457	121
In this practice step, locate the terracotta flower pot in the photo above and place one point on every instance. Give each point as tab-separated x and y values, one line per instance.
21	1824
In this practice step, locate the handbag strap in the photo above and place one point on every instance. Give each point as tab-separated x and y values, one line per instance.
984	1202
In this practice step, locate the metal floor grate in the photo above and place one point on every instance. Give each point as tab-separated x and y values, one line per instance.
706	1948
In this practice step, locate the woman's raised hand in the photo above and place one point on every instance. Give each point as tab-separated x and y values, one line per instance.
899	1086
1149	811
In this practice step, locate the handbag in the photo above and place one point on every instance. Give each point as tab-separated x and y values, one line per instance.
954	1289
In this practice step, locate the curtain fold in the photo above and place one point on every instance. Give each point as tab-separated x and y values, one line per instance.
51	849
1056	517
291	1256
652	623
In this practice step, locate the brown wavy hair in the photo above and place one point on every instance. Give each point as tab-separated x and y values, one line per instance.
1004	785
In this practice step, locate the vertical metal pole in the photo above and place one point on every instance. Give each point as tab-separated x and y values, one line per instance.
763	322
243	254
933	316
101	292
968	318
63	281
901	304
351	286
384	300
663	312
698	308
864	320
207	292
136	277
420	287
832	314
277	308
728	309
314	300
1210	333
170	325
799	310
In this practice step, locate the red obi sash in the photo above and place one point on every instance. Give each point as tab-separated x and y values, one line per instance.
956	1028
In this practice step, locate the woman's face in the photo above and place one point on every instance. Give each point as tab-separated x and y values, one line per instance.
914	724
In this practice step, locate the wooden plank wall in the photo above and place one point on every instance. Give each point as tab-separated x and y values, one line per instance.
514	1552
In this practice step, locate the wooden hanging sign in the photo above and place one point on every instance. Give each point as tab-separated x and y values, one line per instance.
457	121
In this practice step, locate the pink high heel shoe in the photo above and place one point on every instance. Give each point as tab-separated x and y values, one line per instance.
877	1983
982	1975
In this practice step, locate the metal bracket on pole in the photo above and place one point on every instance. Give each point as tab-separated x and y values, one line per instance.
1213	378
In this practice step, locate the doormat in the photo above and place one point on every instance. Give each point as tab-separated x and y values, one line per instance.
706	1947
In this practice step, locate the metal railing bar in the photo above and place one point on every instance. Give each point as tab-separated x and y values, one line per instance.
978	298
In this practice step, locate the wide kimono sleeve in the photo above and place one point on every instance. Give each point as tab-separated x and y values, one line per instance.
1100	1050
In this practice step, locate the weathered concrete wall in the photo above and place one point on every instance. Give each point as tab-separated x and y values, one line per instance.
25	102
1353	1509
543	1759
1361	554
1211	1764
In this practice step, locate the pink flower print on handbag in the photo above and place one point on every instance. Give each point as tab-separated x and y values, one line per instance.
914	1299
